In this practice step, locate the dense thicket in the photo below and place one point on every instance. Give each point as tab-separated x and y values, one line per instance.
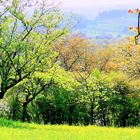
48	76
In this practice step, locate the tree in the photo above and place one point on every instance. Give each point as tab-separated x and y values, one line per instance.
30	89
75	53
123	106
136	11
26	39
95	92
58	104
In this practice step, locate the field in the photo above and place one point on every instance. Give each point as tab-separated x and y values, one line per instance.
10	130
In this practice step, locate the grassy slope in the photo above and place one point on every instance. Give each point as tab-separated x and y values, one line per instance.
17	131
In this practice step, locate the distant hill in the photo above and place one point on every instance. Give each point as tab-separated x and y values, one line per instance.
107	25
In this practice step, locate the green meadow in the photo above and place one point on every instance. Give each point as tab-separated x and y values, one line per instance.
10	130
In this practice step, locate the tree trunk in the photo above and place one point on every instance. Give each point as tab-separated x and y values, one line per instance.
2	91
104	117
70	119
24	112
91	114
1	95
124	120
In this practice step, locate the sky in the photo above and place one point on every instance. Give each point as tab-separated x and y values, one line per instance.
98	3
91	8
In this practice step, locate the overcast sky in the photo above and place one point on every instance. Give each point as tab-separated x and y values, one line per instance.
93	7
99	3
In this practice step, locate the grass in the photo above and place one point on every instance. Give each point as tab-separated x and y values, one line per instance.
10	130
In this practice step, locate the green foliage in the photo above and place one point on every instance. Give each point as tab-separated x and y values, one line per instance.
24	47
